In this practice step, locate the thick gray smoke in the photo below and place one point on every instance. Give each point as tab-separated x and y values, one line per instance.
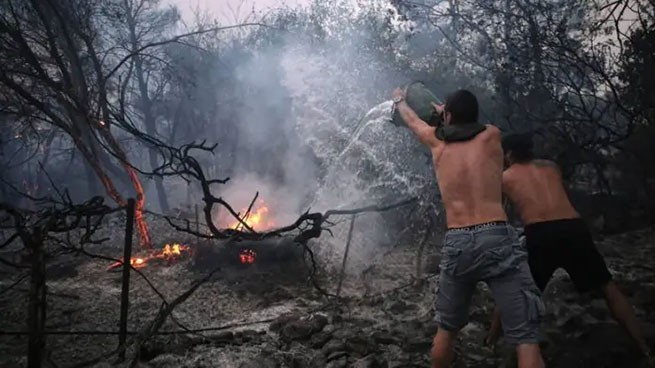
313	132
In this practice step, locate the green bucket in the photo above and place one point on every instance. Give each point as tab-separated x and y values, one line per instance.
420	99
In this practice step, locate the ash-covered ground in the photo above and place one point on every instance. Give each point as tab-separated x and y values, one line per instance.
273	316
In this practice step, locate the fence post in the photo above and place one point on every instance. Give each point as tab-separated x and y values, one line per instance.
125	291
345	254
37	302
197	221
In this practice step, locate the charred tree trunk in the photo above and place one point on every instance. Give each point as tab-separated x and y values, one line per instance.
79	96
91	157
146	110
151	129
40	176
141	225
117	149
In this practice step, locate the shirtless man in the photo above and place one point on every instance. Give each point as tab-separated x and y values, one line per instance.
479	244
555	234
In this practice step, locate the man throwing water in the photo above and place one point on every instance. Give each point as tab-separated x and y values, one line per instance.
556	236
479	244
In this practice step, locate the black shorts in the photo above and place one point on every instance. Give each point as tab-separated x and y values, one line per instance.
565	244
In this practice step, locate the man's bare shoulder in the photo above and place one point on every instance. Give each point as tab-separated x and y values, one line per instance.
509	174
545	164
492	130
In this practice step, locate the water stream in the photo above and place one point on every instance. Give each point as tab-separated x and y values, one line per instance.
365	158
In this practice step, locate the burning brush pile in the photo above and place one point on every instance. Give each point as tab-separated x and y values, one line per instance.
257	217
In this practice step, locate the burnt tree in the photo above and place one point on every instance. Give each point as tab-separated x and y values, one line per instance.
55	70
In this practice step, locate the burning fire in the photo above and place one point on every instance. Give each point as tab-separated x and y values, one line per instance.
247	256
174	250
170	253
258	219
137	262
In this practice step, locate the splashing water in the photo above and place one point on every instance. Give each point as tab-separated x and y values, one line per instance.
380	163
377	115
365	158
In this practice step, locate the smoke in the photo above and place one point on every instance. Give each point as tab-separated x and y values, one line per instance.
304	124
281	204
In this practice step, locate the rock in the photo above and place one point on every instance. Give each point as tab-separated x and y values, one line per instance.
346	332
302	329
332	346
336	355
150	350
374	301
320	339
398	307
223	336
282	320
260	362
317	361
396	364
474	357
417	345
359	345
339	363
300	361
329	328
319	320
383	337
369	361
102	365
247	335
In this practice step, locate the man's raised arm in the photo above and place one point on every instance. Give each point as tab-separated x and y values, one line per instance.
424	132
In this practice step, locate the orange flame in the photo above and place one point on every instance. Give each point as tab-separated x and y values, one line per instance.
173	251
170	253
137	262
257	220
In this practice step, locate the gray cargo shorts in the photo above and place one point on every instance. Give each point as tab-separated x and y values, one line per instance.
491	253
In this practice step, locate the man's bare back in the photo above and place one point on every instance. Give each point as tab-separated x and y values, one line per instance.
469	178
536	190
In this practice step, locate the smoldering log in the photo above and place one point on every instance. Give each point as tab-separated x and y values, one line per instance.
266	252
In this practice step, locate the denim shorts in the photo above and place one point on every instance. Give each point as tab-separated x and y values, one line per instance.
491	253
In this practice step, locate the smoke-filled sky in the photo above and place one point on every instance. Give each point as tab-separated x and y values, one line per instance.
231	11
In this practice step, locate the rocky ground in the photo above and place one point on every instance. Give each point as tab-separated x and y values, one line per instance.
274	317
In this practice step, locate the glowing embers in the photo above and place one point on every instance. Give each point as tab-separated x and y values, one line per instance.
136	262
258	219
247	256
170	254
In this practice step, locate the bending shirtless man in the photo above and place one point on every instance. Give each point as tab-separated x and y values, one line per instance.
556	237
479	244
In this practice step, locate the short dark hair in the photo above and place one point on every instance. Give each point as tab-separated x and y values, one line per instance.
519	146
463	106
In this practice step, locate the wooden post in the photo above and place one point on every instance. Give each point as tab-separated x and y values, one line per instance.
125	291
37	303
197	220
345	254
